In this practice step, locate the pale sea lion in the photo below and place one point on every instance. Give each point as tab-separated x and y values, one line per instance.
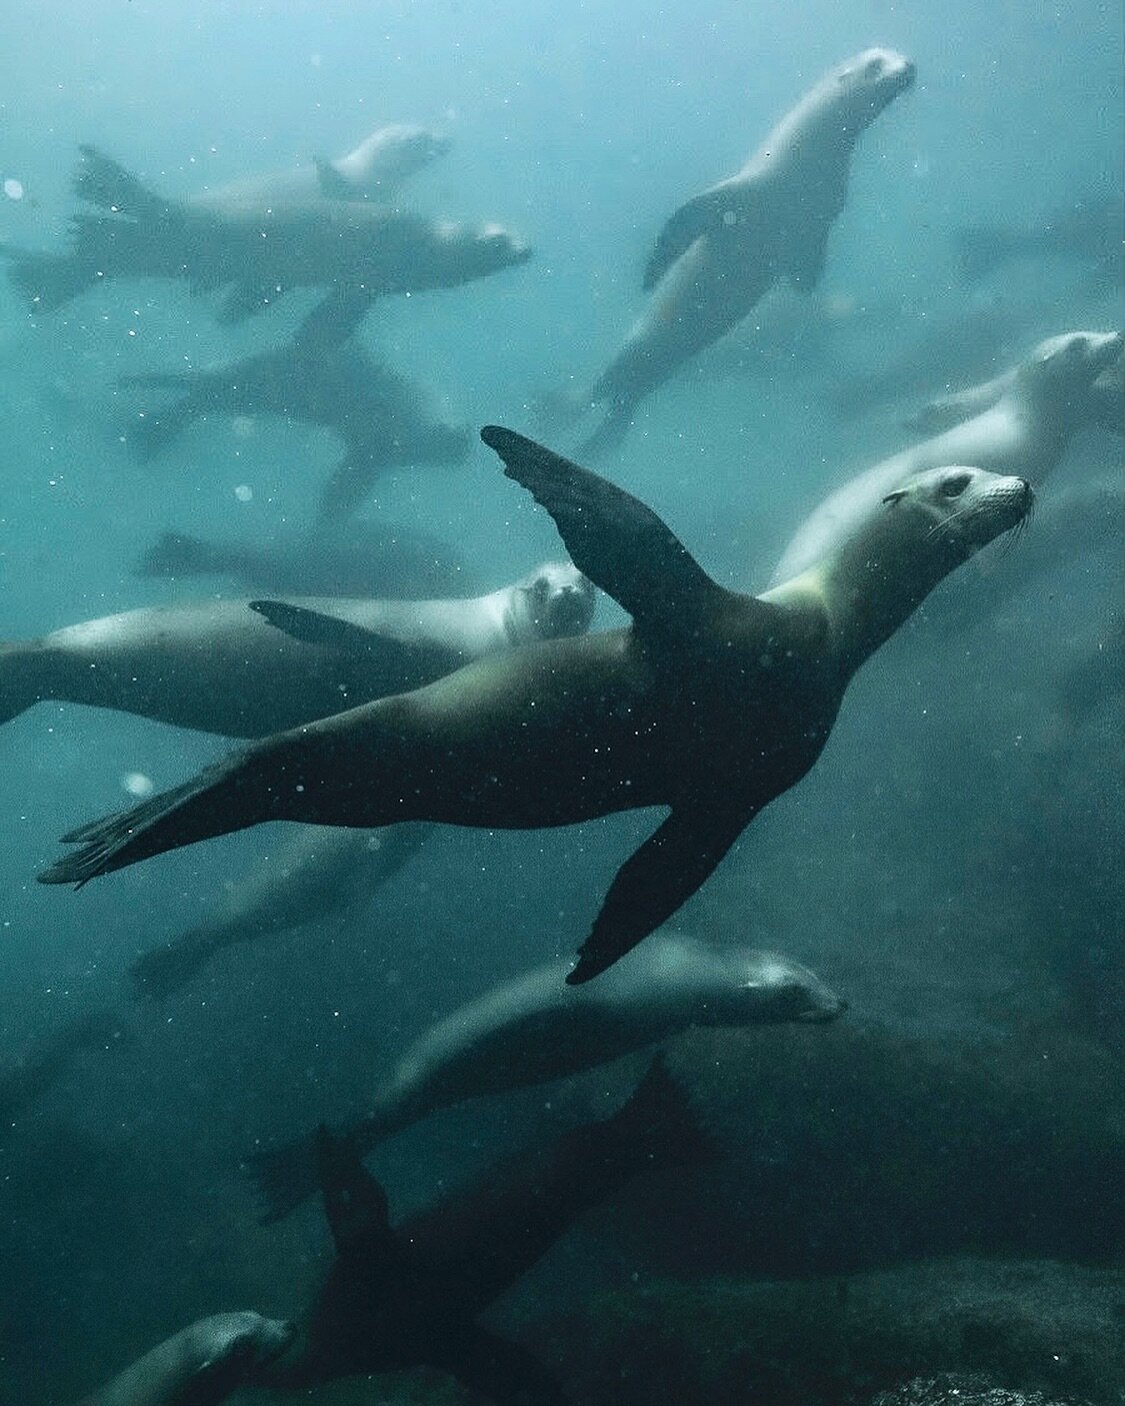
1104	403
313	875
258	254
535	1028
711	703
1025	433
720	253
382	417
410	1295
201	1365
221	666
375	170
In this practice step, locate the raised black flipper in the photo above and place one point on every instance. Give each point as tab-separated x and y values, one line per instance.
612	537
314	627
355	1205
498	1370
654	882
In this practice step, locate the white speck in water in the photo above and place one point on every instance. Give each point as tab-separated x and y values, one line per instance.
137	784
244	493
13	189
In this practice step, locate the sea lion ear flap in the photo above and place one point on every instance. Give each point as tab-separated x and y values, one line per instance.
892	498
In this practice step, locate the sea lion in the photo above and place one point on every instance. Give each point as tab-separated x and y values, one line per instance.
711	703
315	874
201	1365
1025	433
257	253
221	666
351	558
1104	405
409	1295
375	170
382	417
722	251
535	1028
1087	229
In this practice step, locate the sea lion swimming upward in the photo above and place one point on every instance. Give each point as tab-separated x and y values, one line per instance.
535	1029
712	703
409	1295
721	252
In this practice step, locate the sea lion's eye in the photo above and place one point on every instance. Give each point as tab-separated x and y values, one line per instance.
955	485
873	69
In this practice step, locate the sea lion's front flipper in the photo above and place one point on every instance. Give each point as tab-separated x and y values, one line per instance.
724	205
499	1370
314	627
654	881
332	185
612	537
354	1202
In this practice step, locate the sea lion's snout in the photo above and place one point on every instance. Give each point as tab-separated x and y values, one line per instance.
829	1008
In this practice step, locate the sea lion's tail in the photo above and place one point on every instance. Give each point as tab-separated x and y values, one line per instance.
179	554
657	1127
609	435
48	281
105	183
19	680
158	974
230	795
285	1173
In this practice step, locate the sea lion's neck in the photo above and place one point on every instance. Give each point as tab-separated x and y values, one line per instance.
872	584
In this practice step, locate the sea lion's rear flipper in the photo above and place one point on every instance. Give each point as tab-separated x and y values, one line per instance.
332	185
242	301
499	1370
314	627
354	1203
654	882
612	537
728	203
105	183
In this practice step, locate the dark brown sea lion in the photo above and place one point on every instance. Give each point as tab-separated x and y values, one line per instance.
712	703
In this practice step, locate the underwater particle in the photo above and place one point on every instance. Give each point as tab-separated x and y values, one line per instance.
243	426
244	493
137	783
13	189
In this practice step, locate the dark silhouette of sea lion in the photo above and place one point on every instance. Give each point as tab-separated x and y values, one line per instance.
712	703
409	1295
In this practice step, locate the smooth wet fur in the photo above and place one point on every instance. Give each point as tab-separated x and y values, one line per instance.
711	703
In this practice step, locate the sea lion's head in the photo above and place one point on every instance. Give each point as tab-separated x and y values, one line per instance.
553	601
957	509
488	248
1066	366
867	82
771	988
390	156
234	1346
